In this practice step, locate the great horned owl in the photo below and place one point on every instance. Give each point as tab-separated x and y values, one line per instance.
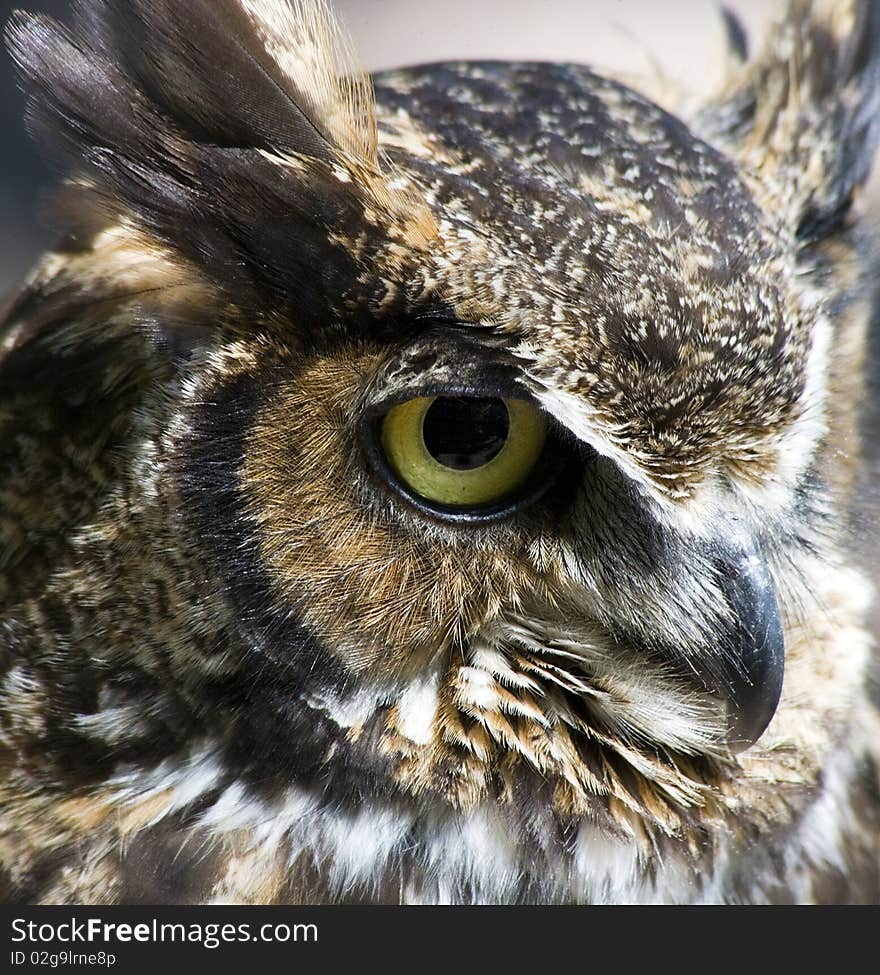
436	489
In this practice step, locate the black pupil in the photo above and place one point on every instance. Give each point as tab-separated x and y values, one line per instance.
464	432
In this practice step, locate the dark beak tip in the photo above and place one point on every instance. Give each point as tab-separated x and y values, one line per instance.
757	666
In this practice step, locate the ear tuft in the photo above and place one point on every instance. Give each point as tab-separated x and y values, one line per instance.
316	55
805	114
264	74
236	132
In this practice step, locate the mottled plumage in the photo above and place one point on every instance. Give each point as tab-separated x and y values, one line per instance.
245	660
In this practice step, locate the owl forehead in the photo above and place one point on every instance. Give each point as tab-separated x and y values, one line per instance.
627	259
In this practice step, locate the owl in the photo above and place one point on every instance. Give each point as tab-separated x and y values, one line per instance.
437	487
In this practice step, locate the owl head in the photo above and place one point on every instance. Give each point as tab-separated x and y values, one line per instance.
478	436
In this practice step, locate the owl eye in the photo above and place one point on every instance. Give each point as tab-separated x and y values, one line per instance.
463	452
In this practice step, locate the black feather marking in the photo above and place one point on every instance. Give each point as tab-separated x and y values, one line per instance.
737	37
272	736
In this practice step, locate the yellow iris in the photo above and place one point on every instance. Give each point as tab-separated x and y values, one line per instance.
432	476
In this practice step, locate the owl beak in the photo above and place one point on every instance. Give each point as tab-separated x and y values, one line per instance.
752	647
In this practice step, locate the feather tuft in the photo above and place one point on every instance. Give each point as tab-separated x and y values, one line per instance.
805	115
237	132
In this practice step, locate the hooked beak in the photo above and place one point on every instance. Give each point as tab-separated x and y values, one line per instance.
748	671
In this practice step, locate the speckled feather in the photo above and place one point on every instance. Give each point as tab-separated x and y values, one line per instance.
238	666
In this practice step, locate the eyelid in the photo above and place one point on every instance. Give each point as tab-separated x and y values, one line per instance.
444	361
503	389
